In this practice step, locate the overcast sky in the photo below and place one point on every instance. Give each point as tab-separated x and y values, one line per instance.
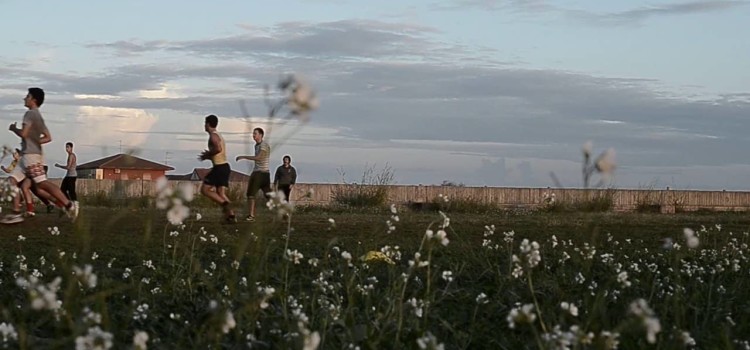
479	92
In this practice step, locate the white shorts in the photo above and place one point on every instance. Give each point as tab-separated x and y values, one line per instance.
17	173
33	167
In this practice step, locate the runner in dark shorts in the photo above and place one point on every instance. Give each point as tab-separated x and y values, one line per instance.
215	184
218	176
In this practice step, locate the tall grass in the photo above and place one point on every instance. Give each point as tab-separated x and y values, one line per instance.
371	191
435	280
595	201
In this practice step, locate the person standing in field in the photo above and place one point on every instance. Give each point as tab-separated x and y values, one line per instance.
34	134
260	178
68	185
216	182
285	178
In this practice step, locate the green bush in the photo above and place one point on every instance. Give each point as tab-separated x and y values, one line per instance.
648	200
599	201
460	205
361	196
372	191
558	207
648	208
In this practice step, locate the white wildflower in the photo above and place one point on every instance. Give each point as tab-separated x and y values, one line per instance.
294	256
622	279
229	322
178	213
523	314
8	332
429	341
571	308
606	162
448	276
691	239
640	309
86	275
686	339
482	299
140	338
95	339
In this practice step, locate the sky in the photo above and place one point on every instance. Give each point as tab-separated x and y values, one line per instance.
473	92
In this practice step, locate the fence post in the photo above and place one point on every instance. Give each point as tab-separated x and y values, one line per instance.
667	204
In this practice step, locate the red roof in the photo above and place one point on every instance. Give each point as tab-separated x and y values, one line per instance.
124	161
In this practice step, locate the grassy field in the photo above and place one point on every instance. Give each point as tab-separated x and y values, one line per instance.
582	280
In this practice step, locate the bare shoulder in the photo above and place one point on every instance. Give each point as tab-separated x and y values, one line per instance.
214	137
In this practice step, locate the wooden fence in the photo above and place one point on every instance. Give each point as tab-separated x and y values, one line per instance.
510	197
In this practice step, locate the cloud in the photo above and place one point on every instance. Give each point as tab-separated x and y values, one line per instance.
166	91
674	9
129	48
630	16
95	97
102	125
531	6
344	40
384	98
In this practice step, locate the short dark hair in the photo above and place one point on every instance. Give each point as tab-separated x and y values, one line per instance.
260	131
69	144
212	120
287	157
37	94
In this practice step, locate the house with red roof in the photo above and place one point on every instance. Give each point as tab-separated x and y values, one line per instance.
122	167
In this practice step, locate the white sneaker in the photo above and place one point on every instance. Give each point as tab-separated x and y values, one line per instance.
11	219
72	212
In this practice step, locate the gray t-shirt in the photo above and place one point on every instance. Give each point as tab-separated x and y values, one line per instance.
31	144
72	172
262	164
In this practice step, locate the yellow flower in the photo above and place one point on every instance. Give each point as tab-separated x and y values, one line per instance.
376	256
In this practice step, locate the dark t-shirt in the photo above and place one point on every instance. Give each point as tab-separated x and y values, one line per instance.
285	176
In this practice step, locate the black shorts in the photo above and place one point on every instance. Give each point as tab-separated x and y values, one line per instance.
259	180
218	176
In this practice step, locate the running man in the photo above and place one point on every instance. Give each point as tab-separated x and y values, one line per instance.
34	134
216	182
68	186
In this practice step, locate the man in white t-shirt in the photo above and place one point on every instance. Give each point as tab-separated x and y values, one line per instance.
34	134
